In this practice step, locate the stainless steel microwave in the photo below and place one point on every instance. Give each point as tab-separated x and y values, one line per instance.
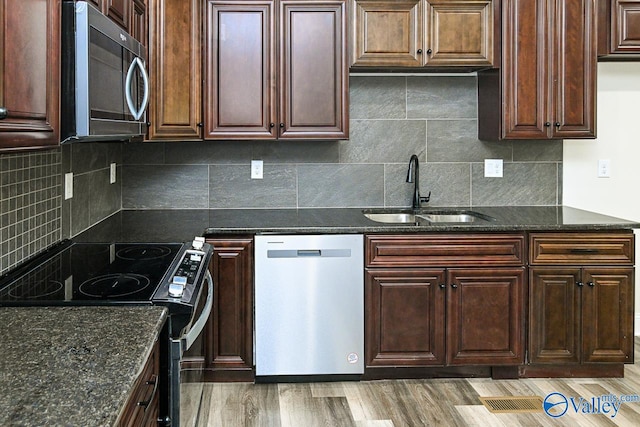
105	86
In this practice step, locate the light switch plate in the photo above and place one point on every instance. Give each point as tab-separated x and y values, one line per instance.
256	169
112	173
493	168
68	185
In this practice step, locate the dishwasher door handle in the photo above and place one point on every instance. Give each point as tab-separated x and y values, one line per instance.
309	253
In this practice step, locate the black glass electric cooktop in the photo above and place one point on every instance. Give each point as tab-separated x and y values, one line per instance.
92	273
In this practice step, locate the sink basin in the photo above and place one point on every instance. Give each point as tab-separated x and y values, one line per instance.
393	217
445	216
461	217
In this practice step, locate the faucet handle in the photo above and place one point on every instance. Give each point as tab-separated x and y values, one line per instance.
425	199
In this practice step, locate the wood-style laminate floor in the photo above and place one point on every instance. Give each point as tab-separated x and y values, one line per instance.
429	402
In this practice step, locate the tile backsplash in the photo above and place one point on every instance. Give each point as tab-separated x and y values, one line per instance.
30	205
94	196
391	118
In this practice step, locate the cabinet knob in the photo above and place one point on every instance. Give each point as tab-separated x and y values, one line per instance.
429	51
272	125
591	284
580	284
557	124
442	286
200	125
419	51
281	125
454	286
547	124
3	113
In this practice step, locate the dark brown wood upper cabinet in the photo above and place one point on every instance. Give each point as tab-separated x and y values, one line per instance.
139	22
276	69
619	29
175	70
546	88
118	11
418	33
388	33
29	74
240	70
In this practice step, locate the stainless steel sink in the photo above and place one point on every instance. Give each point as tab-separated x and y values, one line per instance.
394	218
449	217
444	216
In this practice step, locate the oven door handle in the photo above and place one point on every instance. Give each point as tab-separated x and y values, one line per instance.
189	338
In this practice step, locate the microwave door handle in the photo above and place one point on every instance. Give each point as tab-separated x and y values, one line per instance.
145	80
137	113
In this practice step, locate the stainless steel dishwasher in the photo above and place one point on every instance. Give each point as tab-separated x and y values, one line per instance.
309	313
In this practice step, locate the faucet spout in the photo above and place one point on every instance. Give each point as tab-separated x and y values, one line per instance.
413	175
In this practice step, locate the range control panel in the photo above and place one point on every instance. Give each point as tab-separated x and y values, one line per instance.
189	269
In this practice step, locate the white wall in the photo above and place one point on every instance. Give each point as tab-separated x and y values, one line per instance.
618	130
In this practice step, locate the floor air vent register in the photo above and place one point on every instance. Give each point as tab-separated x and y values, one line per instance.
512	404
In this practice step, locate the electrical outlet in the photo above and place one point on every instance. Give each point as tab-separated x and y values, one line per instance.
112	173
493	168
68	185
604	168
256	169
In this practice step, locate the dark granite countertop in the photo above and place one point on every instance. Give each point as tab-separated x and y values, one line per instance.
72	365
182	225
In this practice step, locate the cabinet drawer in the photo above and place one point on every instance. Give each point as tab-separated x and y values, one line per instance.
144	391
444	250
581	248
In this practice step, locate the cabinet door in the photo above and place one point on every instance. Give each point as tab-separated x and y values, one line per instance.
574	69
175	110
461	32
240	99
118	11
607	315
97	3
29	74
229	333
554	319
625	27
313	68
404	317
525	81
485	320
138	25
388	33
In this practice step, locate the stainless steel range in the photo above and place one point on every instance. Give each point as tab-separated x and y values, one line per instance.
168	274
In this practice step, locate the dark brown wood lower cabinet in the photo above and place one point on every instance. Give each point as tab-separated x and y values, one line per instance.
142	408
228	340
404	311
485	316
406	319
581	315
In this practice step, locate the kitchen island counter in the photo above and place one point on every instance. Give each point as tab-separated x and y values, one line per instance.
177	225
72	365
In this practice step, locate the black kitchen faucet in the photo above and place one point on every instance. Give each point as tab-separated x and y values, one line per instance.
413	175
